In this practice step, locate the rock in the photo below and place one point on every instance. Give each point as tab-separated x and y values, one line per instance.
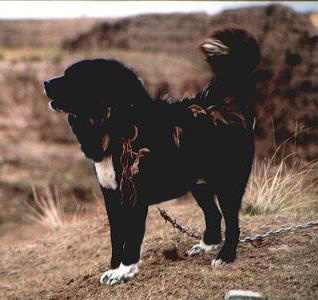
244	295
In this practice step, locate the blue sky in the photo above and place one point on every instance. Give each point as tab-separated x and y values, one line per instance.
71	9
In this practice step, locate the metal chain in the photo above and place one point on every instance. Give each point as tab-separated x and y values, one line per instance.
283	230
195	234
189	232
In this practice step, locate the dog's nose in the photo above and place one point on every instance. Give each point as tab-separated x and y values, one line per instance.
47	89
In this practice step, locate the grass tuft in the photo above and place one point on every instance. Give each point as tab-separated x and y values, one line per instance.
49	211
46	209
289	186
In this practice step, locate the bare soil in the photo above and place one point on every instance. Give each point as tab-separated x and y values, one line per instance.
68	264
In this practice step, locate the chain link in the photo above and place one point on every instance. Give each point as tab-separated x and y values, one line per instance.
260	237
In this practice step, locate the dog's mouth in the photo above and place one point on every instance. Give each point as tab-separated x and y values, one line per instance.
56	107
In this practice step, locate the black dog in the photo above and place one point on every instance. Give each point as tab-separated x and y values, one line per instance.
147	151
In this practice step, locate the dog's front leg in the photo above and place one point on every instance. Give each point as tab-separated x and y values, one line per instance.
133	227
116	221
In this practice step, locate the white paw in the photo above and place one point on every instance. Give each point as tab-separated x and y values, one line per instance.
217	262
201	248
119	275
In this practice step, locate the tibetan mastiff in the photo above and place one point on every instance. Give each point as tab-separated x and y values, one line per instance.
147	151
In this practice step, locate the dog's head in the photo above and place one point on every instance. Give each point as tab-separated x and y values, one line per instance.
89	88
231	51
90	91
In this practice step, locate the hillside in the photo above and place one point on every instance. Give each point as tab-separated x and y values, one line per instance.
151	32
39	33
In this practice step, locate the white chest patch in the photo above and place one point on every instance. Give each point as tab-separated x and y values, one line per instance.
106	173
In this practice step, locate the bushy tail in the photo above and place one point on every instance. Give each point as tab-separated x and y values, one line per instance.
232	50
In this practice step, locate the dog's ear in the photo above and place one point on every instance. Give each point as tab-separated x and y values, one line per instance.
89	136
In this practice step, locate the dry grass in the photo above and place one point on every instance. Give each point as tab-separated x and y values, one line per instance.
50	211
286	186
31	54
47	210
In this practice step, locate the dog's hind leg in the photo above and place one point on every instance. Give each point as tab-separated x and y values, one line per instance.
205	197
230	202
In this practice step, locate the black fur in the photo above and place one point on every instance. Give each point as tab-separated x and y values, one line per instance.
220	154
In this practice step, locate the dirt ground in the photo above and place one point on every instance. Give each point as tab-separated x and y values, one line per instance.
67	264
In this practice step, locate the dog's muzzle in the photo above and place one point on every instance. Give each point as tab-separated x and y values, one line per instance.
53	88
